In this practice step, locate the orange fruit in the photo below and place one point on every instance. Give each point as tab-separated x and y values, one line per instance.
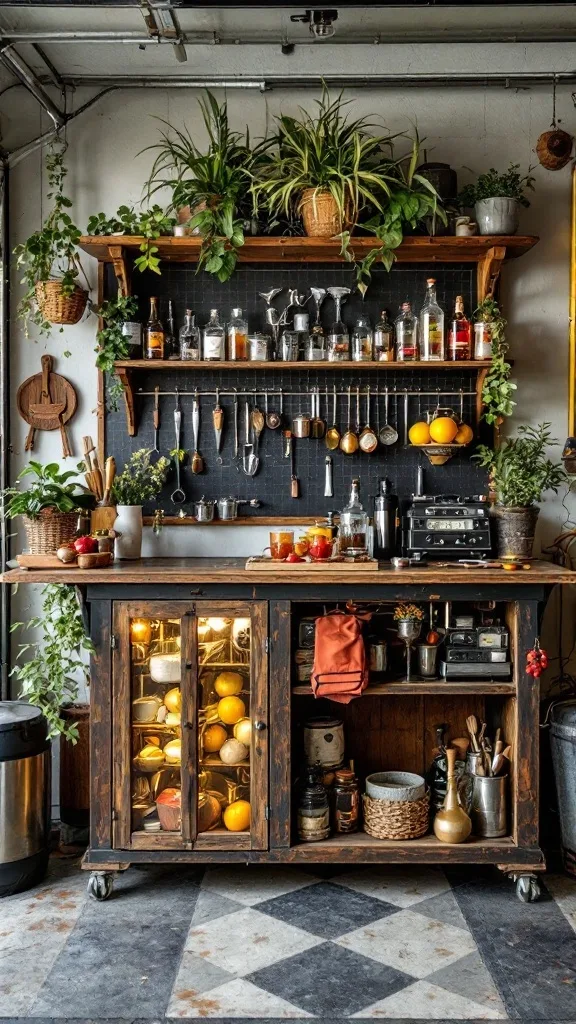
228	683
231	710
214	737
237	816
464	435
443	430
301	546
419	433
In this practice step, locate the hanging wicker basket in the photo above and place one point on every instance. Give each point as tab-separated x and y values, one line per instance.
320	214
49	531
58	308
396	819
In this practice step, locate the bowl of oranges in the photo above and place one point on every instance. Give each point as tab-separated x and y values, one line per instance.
441	437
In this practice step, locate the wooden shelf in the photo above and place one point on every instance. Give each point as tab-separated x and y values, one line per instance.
362	848
179	364
421	687
418	249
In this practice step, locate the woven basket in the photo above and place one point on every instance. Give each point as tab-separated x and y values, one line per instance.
45	534
58	308
392	819
320	214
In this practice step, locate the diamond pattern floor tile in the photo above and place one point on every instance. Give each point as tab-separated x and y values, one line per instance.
470	979
398	886
195	975
326	910
254	884
246	941
237	998
329	981
211	905
424	1001
409	942
442	908
563	889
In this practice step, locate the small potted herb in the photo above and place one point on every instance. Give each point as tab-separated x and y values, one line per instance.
520	472
49	506
139	481
408	619
150	224
496	198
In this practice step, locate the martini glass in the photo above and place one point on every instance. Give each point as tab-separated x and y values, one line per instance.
338	338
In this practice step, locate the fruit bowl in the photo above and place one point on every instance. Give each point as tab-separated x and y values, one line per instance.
438	454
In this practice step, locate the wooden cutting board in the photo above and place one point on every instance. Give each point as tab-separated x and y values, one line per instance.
46	401
271	565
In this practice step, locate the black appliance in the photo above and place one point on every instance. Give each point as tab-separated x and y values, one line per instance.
447	526
386	523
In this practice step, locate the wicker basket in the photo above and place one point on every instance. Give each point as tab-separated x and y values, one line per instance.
58	308
392	819
320	214
45	534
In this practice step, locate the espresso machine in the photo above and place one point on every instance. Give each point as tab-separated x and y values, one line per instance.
386	523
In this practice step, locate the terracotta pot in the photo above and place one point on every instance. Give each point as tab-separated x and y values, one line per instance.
320	214
515	529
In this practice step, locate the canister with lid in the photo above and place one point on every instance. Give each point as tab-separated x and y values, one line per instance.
324	742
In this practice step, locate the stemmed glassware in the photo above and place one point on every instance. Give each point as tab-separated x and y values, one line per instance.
338	338
408	631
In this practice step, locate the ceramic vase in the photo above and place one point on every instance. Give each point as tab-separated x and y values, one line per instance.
128	525
497	216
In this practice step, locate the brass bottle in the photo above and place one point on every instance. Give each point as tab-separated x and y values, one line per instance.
452	824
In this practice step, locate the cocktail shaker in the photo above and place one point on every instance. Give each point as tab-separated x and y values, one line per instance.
385	523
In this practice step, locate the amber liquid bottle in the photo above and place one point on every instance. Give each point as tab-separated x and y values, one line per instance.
154	333
460	333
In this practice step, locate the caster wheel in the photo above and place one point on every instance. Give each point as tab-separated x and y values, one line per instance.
100	885
527	888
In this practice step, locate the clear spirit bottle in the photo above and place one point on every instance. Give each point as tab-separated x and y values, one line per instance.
214	339
237	337
431	326
362	340
460	333
189	338
384	339
406	326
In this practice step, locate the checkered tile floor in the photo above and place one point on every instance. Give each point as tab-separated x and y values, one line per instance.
261	942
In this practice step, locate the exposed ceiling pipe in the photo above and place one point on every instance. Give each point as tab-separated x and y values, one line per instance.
26	76
479	36
476	79
17	155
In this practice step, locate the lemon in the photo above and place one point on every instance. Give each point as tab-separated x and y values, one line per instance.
419	433
443	430
228	683
173	700
237	816
464	435
231	710
243	731
214	737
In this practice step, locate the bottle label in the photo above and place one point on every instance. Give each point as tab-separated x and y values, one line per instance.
132	332
213	346
155	341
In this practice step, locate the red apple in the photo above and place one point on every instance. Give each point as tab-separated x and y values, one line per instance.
85	545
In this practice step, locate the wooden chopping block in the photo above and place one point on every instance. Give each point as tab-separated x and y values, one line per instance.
47	401
103	518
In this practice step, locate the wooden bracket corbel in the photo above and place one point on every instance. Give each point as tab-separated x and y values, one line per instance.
117	255
480	378
125	378
489	271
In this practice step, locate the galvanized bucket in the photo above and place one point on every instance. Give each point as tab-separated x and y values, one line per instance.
563	744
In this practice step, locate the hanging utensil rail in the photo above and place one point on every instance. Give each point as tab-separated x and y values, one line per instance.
306	394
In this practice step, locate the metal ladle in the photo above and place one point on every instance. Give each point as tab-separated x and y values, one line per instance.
197	464
332	438
250	460
387	434
177	496
349	442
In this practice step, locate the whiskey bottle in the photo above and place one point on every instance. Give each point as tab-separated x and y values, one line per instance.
154	333
459	334
431	326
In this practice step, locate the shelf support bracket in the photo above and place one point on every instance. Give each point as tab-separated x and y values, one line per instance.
126	380
489	271
117	255
480	378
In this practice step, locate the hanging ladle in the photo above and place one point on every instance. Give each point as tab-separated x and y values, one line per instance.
332	439
368	440
250	460
258	422
349	442
197	465
177	496
387	434
273	419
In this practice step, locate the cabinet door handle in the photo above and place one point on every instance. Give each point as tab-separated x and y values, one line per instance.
259	725
197	590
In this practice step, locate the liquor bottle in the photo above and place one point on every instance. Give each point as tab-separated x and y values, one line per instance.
383	339
171	346
362	340
431	325
353	532
189	338
154	333
460	334
237	337
213	339
132	333
406	326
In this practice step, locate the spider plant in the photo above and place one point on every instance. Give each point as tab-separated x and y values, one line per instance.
215	184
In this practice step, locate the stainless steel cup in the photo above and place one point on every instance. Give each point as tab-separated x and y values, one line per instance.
378	656
489	806
428	660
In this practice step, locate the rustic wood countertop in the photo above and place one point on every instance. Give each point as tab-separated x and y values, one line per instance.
232	570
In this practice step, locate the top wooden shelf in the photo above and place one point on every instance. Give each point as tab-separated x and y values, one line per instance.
419	249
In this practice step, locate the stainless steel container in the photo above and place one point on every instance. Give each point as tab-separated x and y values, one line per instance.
24	796
563	744
301	425
204	510
489	809
378	656
428	660
228	507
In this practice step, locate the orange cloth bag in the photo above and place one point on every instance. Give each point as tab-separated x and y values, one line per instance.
340	670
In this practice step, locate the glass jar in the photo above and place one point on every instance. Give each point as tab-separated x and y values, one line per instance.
482	340
289	347
315	348
362	340
353	532
346	801
313	810
259	348
384	340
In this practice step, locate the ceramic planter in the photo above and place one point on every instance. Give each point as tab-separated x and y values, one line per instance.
497	216
128	525
515	529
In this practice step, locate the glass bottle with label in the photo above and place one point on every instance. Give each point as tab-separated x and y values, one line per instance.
189	338
213	339
132	333
171	345
362	340
154	333
384	339
346	797
353	532
431	326
406	327
460	333
237	337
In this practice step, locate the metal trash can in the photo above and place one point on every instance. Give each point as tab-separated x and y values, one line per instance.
24	796
563	744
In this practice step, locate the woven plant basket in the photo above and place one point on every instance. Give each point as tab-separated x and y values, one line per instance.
49	531
58	308
320	214
396	819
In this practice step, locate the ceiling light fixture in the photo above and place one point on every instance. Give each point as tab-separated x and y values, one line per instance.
320	22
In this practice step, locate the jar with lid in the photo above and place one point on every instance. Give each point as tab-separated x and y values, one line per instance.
289	347
346	801
313	809
482	340
384	339
237	337
362	340
259	348
353	532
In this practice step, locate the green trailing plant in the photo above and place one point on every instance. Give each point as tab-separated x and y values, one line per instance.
50	253
112	343
151	224
493	184
56	661
49	488
520	469
498	389
141	479
215	184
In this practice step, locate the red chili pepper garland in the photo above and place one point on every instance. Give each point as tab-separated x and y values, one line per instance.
536	660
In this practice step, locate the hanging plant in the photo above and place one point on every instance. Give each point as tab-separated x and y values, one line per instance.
49	258
112	343
150	223
498	389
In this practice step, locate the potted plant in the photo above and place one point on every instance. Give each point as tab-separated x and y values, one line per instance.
113	344
520	472
498	389
139	481
49	506
408	619
49	258
496	199
151	223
